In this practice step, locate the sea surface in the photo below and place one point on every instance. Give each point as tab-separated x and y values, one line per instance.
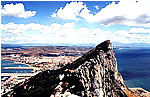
4	64
134	66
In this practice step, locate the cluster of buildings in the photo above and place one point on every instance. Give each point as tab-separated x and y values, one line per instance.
41	62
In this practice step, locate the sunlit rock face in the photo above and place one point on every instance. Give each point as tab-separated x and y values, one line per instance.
98	72
95	74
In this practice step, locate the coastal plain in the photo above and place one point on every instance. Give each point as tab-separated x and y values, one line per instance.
37	59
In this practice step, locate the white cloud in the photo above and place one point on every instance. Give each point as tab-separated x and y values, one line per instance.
134	35
85	13
16	10
34	26
139	31
70	11
34	32
98	35
126	12
130	13
12	28
83	31
58	30
67	33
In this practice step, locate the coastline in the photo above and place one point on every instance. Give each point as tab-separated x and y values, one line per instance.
12	74
17	62
26	68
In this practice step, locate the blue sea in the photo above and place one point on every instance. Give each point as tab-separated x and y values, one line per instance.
134	66
3	64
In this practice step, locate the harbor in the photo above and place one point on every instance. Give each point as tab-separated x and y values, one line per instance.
13	73
18	74
10	63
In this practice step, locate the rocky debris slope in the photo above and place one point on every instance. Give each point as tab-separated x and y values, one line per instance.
95	74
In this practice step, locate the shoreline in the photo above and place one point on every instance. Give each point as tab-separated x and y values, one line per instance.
33	70
16	62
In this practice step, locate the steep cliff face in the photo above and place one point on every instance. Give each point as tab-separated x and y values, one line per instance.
95	74
98	72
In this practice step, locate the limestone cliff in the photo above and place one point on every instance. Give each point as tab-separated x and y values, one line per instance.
98	72
95	74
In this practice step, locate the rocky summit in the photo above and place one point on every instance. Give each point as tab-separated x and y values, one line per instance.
94	74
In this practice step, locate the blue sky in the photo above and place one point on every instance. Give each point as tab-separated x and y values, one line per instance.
75	22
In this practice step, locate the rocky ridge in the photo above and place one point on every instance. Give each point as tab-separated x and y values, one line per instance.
95	74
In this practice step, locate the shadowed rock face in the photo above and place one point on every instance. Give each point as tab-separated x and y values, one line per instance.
95	74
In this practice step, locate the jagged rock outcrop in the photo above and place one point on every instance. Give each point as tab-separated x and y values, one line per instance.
95	74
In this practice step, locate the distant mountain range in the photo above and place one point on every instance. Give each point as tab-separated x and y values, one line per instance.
131	44
115	44
44	44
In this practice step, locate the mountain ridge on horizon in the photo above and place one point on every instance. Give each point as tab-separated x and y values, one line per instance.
115	44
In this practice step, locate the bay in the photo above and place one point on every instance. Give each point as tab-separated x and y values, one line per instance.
4	64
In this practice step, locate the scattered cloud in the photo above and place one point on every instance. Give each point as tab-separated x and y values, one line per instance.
83	31
70	11
67	33
139	31
85	13
12	28
134	35
125	12
40	33
16	10
129	13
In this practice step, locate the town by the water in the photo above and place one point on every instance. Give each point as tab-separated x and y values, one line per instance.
36	58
